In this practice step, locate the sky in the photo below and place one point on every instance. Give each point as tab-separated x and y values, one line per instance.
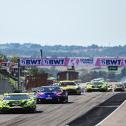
65	22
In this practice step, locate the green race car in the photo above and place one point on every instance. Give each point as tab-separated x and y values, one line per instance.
17	101
98	84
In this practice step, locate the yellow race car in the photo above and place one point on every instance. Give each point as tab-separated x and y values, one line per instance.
70	86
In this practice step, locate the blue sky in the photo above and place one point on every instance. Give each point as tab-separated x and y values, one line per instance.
66	22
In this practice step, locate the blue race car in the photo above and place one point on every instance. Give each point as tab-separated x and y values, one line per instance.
52	94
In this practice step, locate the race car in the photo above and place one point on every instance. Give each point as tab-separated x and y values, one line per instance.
51	94
71	86
98	84
119	87
17	101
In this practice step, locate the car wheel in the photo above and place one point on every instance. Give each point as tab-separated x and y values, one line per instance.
79	93
65	100
3	111
32	110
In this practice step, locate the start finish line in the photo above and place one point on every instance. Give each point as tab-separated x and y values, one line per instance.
74	61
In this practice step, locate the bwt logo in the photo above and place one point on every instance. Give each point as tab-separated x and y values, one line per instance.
53	62
31	62
111	62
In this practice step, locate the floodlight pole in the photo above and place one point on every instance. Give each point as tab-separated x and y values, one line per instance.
18	74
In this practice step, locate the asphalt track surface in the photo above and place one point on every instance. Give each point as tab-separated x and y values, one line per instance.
56	114
98	113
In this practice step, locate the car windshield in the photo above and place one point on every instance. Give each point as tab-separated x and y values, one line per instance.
16	97
68	83
50	89
97	82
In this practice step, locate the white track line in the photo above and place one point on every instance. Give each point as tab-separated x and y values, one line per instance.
99	124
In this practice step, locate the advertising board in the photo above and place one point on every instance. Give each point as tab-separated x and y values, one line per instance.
74	61
43	62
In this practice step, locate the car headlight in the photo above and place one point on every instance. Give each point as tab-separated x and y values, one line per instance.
28	103
104	85
5	102
89	86
31	102
24	102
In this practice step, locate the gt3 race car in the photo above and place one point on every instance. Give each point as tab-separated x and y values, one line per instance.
98	84
71	86
17	101
51	93
119	87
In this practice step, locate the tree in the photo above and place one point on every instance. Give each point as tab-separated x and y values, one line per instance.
14	59
3	57
33	70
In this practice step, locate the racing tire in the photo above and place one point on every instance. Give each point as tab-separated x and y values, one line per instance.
65	100
4	111
33	110
79	93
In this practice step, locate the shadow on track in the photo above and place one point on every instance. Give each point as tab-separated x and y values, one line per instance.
54	103
21	112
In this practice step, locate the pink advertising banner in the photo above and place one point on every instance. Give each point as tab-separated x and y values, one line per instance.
110	61
43	62
74	61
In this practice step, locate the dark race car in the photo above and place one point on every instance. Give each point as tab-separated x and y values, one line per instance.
51	94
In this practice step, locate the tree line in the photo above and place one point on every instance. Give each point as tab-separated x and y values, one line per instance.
33	50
